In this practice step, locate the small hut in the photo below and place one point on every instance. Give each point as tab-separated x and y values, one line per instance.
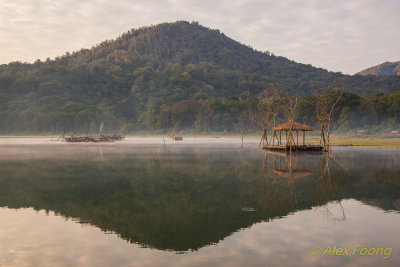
290	128
177	138
292	143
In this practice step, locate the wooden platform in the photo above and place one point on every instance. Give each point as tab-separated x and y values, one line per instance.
95	138
301	148
177	138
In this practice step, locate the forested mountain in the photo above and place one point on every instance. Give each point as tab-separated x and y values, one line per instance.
384	69
169	75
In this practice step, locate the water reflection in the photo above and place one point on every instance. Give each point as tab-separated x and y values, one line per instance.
183	198
293	166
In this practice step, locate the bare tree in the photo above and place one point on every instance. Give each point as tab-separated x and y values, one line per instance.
289	107
240	124
266	113
261	117
325	108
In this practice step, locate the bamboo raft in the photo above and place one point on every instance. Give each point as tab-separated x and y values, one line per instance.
95	138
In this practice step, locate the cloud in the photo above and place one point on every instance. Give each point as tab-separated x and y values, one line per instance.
340	35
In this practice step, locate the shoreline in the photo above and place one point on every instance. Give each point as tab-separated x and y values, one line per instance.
339	140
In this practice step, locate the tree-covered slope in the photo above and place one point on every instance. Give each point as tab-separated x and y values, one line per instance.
146	69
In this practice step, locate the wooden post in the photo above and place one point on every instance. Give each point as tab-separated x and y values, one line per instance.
101	128
297	135
286	137
280	137
304	138
273	140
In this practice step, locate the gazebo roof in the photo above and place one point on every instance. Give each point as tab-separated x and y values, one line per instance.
295	126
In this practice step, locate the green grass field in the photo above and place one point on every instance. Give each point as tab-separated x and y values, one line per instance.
367	141
359	140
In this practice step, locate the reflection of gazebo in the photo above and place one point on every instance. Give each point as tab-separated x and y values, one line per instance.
291	143
297	173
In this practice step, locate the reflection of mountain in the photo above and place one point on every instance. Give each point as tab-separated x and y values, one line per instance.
384	204
177	201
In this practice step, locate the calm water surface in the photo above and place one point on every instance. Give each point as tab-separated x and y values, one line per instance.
200	202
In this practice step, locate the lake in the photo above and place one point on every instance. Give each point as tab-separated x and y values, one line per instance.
198	202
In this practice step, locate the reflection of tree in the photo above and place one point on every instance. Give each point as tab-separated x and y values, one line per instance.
330	216
292	167
324	184
324	187
288	166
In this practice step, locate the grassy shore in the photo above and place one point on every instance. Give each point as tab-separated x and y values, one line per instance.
367	141
359	140
337	140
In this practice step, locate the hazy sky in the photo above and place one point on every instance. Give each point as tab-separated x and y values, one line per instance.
339	35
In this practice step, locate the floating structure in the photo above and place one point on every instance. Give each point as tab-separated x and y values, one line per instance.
96	138
295	148
177	138
292	143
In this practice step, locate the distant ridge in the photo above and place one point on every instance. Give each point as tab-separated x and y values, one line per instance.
384	69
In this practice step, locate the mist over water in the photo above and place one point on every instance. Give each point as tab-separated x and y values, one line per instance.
199	202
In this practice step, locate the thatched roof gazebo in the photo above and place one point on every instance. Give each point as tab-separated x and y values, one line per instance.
291	127
291	144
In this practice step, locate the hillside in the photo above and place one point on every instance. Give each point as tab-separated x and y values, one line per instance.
384	69
157	77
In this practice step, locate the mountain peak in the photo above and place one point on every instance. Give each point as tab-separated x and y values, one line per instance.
385	69
179	42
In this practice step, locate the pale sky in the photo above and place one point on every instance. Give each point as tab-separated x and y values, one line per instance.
339	35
